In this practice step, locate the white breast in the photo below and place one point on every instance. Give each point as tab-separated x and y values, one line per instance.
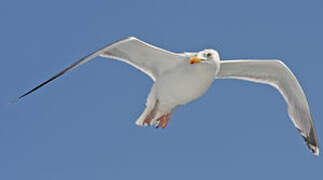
183	84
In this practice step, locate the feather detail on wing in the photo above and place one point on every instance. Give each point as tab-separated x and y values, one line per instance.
149	59
278	75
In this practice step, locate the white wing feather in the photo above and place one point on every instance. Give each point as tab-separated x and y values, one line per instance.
149	59
278	75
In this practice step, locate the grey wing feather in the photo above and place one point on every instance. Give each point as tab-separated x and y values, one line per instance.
149	59
278	75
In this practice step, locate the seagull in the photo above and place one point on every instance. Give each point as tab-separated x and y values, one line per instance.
180	78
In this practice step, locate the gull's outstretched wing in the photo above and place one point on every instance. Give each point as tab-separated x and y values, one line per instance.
278	75
149	59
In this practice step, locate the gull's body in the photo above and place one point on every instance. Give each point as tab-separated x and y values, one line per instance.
176	87
181	78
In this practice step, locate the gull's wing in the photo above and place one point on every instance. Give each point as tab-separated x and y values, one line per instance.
278	75
149	59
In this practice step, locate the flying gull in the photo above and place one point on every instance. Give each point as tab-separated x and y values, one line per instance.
182	77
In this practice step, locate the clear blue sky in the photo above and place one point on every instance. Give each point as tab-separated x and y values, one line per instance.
81	126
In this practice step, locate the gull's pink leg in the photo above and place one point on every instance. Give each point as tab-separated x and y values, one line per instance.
148	119
163	120
151	115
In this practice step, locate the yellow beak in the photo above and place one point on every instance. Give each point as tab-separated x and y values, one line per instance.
195	59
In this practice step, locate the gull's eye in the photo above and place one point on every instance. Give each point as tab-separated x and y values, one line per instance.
208	55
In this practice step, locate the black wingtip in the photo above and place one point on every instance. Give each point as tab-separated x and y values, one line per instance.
18	98
311	141
314	148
